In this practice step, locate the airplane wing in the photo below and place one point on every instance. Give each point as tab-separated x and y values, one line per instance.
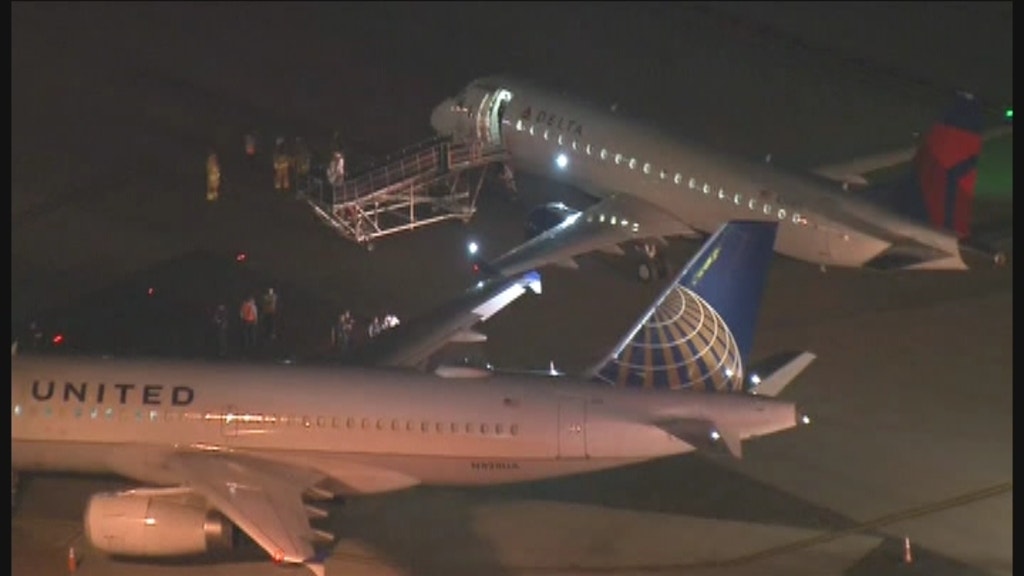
616	219
261	498
411	344
855	171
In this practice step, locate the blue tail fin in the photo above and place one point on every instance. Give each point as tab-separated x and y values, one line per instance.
939	190
699	331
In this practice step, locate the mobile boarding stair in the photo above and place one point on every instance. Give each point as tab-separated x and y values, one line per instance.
430	182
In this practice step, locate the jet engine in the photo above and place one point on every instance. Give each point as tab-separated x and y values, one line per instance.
146	523
546	216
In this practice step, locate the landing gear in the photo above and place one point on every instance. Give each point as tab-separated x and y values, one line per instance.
653	266
651	269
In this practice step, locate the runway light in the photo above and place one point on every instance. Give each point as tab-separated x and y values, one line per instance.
473	247
562	160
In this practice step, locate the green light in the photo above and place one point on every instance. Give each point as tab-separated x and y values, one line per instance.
1009	113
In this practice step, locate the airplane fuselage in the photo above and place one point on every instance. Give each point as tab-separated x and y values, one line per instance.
369	430
604	153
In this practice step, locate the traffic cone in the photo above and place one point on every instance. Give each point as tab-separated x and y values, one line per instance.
72	560
908	555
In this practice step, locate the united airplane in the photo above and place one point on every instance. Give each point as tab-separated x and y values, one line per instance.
220	447
651	185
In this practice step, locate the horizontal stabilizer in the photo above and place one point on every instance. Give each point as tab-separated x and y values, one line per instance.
771	376
703	435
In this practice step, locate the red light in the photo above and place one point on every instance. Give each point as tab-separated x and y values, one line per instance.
278	557
240	257
57	339
476	268
149	292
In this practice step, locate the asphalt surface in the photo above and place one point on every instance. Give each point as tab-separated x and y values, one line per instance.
114	109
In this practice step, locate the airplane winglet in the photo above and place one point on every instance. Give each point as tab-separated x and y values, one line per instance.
771	376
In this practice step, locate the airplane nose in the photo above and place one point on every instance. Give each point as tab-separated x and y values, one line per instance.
441	118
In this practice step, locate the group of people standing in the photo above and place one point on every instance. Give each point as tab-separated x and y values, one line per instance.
257	322
291	162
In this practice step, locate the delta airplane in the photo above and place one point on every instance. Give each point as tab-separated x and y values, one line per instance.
220	447
652	185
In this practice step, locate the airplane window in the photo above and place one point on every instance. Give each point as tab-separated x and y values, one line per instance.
138	415
663	174
439	427
751	203
636	227
604	154
396	425
647	168
483	428
574	145
613	221
767	208
49	411
497	429
321	421
559	139
693	183
424	426
334	422
153	415
514	429
78	412
380	423
546	134
632	163
782	213
350	422
17	410
519	125
618	158
469	428
721	194
678	179
531	131
307	421
737	198
455	428
798	219
601	218
707	188
365	423
410	425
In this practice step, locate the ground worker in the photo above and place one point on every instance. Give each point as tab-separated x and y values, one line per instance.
220	326
212	177
282	165
336	169
268	313
341	332
302	162
249	316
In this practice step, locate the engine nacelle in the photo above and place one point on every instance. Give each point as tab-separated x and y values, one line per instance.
141	524
547	216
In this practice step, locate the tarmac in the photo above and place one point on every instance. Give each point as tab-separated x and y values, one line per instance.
910	397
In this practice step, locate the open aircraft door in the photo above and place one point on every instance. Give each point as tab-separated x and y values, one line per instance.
572	428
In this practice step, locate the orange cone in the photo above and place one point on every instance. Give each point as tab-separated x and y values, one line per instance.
72	560
908	556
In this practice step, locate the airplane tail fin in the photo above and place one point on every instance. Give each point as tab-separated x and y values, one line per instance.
700	329
940	188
